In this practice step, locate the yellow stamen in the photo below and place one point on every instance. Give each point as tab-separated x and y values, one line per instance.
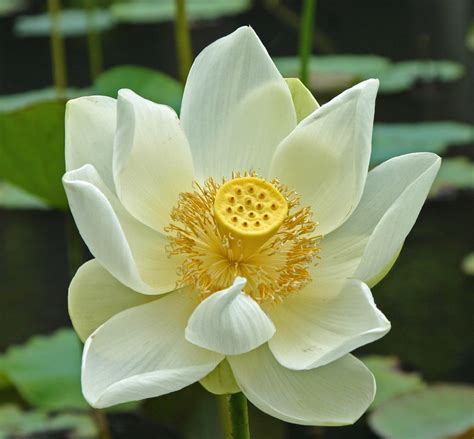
273	256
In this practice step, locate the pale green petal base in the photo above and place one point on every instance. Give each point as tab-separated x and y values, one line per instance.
221	380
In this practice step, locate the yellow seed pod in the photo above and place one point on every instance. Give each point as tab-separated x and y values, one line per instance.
251	209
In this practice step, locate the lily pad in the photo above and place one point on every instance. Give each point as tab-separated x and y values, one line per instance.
455	173
22	100
72	23
148	83
46	371
164	10
391	379
17	423
12	197
32	150
468	264
333	73
8	7
390	140
437	412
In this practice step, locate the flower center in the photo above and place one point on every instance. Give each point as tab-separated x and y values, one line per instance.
247	227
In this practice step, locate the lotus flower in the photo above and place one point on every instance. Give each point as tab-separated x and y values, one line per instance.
235	246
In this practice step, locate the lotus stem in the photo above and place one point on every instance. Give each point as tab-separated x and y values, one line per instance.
239	416
183	40
306	37
58	56
93	40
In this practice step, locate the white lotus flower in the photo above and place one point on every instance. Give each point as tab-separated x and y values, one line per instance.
262	286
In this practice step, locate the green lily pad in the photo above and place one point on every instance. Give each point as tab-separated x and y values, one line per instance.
17	423
390	140
437	412
468	264
164	10
391	380
46	371
22	100
148	83
8	7
455	173
32	150
470	37
72	23
336	72
12	197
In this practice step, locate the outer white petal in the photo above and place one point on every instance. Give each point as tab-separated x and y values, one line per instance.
152	159
229	322
95	296
90	129
373	235
236	107
142	353
325	321
336	394
132	252
326	158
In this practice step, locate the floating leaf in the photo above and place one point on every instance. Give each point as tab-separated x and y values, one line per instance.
390	140
455	173
12	197
32	150
470	37
8	7
17	423
148	83
437	412
468	264
72	23
391	380
164	10
20	100
46	371
336	72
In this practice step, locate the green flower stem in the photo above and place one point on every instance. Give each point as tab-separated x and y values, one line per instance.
183	40
93	40
239	416
306	37
58	56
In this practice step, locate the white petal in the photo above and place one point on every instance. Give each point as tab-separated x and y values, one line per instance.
229	322
142	353
336	394
236	107
95	296
132	252
90	129
325	321
152	159
326	158
372	237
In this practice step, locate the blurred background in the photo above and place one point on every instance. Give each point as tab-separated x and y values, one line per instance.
423	53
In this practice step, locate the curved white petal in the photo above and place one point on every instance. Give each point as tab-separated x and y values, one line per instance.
152	159
95	296
229	322
371	238
90	129
326	158
236	107
325	321
132	252
142	353
336	394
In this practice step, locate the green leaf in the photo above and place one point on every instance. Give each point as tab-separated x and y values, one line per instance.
12	197
390	140
468	264
148	83
470	37
150	11
437	412
333	73
455	173
25	99
391	380
8	7
32	150
46	371
72	23
14	423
